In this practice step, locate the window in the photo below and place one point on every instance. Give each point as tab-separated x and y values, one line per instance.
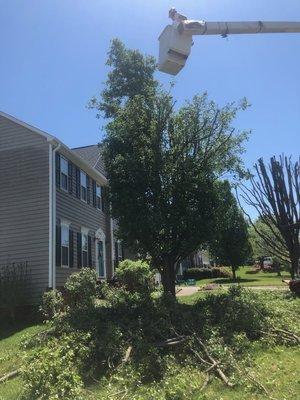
120	250
84	247
64	173
65	234
83	186
99	197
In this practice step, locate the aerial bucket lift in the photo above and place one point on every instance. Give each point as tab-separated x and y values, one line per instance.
176	40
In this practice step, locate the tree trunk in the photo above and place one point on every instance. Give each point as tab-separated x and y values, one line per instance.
294	266
168	278
233	273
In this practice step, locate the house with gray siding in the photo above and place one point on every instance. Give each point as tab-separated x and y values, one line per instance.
52	210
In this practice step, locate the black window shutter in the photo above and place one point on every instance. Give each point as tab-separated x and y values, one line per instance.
94	193
58	246
71	249
79	247
88	189
104	201
70	177
78	182
57	169
90	263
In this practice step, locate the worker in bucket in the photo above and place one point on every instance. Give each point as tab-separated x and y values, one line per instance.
176	17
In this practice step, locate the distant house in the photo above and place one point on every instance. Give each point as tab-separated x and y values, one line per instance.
197	259
52	210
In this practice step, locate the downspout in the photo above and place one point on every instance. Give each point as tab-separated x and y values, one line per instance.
53	147
112	247
50	271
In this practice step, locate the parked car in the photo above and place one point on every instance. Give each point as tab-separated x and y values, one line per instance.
268	262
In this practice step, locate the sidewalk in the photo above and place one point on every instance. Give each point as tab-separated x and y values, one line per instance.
189	290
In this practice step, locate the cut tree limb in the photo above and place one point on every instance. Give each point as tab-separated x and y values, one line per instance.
173	341
10	375
127	354
214	363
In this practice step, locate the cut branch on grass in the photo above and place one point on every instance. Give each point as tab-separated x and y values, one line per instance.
214	363
256	382
9	375
282	334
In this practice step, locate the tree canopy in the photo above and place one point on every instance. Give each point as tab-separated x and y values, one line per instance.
230	244
274	193
163	162
262	238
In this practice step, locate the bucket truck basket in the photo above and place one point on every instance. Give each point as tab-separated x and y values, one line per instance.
174	49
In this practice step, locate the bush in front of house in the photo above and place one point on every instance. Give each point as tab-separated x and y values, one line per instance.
253	271
52	304
135	276
81	288
203	273
14	285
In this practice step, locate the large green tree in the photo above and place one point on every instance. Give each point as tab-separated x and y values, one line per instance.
264	243
230	244
274	193
163	163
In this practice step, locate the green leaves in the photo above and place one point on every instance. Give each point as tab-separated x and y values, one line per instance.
131	74
231	242
162	162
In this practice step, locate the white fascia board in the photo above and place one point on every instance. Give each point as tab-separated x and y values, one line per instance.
96	175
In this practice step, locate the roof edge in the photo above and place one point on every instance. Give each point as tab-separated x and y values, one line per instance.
28	126
54	141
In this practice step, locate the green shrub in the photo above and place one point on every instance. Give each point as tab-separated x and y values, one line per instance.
52	304
294	286
135	276
14	286
237	311
54	371
81	288
203	273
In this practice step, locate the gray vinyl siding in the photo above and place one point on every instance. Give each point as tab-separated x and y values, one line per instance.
81	214
24	201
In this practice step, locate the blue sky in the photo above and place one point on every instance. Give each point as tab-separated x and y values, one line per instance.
53	54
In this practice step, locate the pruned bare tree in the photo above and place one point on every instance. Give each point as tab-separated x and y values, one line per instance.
275	194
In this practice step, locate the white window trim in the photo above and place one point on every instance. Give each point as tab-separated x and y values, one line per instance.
100	197
65	223
62	173
85	231
100	237
86	188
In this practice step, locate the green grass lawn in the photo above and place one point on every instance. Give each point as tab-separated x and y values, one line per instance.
245	279
277	369
11	357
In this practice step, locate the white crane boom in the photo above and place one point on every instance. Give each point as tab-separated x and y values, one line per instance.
236	28
175	41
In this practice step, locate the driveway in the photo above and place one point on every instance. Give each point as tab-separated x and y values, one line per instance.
186	290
